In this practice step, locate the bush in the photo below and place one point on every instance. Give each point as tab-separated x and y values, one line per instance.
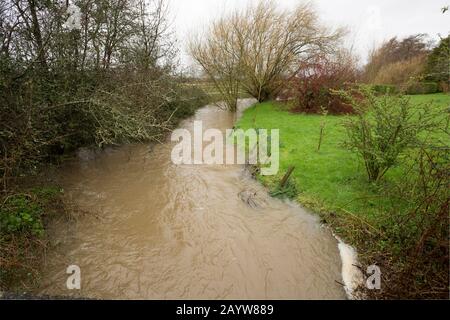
383	128
23	213
415	226
422	88
42	120
312	86
19	214
384	88
22	233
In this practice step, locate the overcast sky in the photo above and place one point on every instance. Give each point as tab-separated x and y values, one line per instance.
370	21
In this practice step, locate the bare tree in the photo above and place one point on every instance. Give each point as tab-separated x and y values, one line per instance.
260	46
220	61
154	41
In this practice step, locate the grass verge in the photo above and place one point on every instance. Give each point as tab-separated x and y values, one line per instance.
332	181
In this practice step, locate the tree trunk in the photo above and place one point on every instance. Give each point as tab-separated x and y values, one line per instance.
36	31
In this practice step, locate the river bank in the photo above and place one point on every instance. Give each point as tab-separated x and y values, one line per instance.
330	181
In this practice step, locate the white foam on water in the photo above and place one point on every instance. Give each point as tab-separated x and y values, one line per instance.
351	274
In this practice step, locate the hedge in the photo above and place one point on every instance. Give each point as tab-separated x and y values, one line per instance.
422	88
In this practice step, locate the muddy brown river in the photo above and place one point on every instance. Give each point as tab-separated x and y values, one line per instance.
149	229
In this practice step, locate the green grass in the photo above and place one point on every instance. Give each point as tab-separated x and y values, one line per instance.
329	180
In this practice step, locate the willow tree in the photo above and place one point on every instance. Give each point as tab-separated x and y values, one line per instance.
255	49
220	57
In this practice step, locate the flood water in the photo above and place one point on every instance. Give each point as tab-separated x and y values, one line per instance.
149	229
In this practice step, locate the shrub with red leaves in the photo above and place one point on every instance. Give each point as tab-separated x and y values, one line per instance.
310	89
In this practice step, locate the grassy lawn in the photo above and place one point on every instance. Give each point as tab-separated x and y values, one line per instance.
332	179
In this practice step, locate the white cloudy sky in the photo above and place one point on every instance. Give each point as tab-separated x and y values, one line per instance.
370	21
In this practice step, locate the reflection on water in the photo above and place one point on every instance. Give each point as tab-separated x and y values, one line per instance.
151	229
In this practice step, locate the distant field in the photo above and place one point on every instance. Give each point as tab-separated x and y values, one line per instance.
212	92
332	179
